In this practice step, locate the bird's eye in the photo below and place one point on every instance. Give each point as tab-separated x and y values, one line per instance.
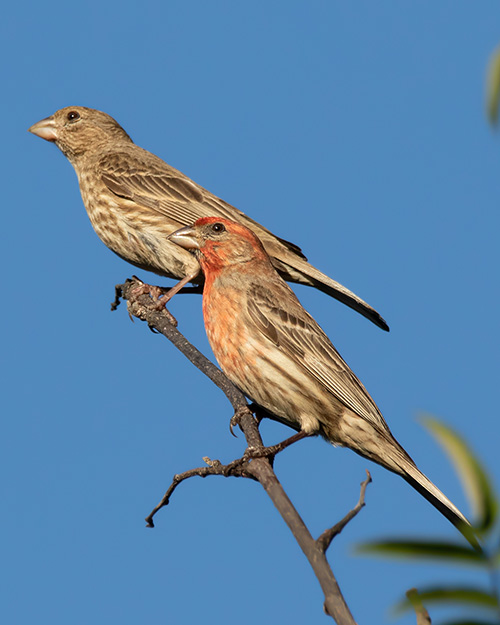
73	116
218	228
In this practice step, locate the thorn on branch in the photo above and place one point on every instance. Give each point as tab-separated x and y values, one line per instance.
328	535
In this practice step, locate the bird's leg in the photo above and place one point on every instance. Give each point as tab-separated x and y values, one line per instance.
272	450
159	294
162	301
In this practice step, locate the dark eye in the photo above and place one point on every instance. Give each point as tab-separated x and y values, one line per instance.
73	116
218	227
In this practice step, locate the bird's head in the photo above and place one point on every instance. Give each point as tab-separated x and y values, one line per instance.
76	128
219	243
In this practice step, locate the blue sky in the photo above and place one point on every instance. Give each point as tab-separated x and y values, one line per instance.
355	130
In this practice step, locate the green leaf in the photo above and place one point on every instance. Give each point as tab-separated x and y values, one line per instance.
438	550
473	477
452	594
493	87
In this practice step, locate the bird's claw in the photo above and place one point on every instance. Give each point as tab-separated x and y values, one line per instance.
236	418
155	292
159	296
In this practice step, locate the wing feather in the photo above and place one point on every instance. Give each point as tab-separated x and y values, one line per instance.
172	194
294	331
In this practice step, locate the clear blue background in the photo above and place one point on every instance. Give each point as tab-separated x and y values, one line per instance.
356	130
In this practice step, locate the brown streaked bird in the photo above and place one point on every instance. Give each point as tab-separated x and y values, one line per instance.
135	200
279	357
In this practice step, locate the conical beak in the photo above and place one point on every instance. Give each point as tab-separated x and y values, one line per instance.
45	129
186	238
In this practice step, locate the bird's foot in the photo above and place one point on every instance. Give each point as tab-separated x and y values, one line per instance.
272	450
155	292
160	295
236	418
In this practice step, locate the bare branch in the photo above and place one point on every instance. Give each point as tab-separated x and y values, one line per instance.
328	535
215	467
423	617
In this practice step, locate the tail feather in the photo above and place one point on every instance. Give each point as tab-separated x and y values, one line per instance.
422	484
381	447
431	492
305	273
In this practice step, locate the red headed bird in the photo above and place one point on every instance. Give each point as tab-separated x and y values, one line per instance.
276	353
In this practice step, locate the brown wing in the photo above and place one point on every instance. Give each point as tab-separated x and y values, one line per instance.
294	331
141	177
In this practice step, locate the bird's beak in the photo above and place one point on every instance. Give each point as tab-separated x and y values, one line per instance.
45	129
186	238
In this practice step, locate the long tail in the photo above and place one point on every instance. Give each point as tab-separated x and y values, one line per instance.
304	273
379	445
431	492
401	463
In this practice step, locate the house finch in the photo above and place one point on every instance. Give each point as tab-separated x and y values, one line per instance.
134	200
276	353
